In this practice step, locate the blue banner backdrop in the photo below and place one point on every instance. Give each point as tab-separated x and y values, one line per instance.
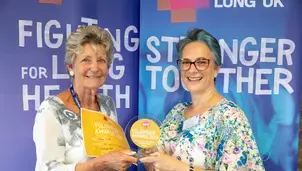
33	35
261	68
260	72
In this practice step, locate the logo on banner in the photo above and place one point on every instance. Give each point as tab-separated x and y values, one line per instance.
182	11
185	11
50	1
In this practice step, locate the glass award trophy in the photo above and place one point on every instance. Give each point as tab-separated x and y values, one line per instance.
143	134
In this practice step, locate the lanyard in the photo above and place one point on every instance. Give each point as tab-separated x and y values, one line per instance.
75	97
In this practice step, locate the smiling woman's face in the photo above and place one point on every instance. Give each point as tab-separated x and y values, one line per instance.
198	80
91	67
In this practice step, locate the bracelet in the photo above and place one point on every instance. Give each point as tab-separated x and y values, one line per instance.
191	168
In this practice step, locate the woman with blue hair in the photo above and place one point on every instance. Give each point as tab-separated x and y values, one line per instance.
210	132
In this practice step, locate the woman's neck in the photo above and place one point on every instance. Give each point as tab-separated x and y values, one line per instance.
206	99
87	97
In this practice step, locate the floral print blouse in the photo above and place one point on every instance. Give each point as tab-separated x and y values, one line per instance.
221	140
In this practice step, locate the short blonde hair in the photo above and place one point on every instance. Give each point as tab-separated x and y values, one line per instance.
87	34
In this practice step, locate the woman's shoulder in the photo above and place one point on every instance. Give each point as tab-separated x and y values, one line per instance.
104	97
177	110
107	104
226	105
230	112
181	106
51	107
106	100
51	102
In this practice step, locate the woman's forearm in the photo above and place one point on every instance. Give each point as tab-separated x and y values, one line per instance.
90	165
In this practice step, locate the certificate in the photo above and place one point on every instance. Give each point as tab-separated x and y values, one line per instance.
101	134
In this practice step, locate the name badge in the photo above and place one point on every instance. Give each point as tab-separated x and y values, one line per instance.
190	122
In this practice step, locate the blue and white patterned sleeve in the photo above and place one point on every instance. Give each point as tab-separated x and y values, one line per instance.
237	148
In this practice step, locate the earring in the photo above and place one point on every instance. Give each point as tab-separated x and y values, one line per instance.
71	73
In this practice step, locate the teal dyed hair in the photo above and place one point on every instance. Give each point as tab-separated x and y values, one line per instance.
200	35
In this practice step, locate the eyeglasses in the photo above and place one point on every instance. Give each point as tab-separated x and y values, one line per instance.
200	64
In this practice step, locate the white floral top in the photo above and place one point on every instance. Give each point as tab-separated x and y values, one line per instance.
58	134
221	140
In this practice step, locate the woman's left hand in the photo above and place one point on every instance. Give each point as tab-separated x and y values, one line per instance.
162	162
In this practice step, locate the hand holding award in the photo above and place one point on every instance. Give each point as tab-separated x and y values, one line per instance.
144	132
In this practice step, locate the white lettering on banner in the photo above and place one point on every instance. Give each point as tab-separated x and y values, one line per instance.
285	81
272	3
248	79
175	73
226	75
247	3
253	54
165	81
39	35
117	39
26	97
68	30
248	52
118	95
89	21
36	95
234	3
57	37
261	81
231	53
120	68
265	50
254	83
285	52
53	34
134	41
22	32
34	72
284	48
276	74
171	41
156	58
55	67
153	70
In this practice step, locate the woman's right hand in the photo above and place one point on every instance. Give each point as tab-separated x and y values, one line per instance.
117	160
148	151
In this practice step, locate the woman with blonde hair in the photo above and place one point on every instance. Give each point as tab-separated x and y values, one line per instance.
57	130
